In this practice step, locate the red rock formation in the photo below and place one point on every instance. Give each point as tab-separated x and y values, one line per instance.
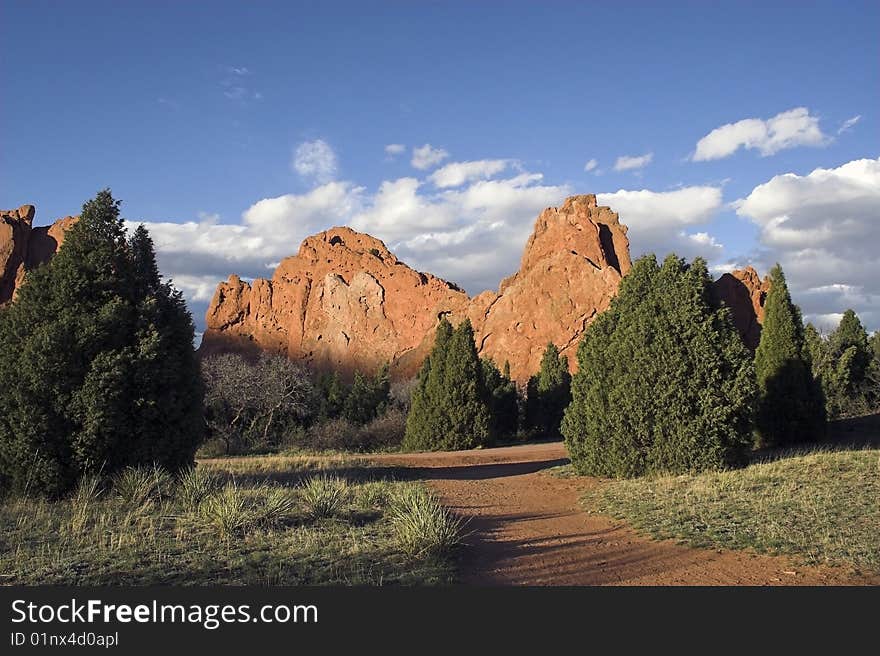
745	293
346	302
23	247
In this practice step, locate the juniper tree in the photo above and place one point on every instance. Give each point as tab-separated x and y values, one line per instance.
549	393
97	366
791	406
450	407
503	400
850	336
664	382
368	397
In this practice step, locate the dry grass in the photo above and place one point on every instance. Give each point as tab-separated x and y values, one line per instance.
231	521
823	507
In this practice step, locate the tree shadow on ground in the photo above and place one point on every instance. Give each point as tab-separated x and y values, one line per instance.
842	435
484	471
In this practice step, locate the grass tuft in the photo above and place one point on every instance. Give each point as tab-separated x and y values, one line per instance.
228	512
421	524
324	495
194	486
140	485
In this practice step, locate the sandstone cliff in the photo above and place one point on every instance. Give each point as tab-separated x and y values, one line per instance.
345	302
745	293
23	247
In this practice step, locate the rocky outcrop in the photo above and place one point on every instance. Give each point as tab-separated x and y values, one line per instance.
23	247
744	292
345	302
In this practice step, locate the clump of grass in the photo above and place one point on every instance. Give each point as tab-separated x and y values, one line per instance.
194	486
421	524
228	512
276	504
139	485
324	496
821	507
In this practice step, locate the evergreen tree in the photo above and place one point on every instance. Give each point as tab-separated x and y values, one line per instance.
450	408
97	366
850	336
368	397
425	419
549	393
331	396
664	382
503	405
791	407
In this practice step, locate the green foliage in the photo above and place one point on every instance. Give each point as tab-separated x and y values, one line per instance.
97	366
664	382
549	393
791	408
847	368
331	395
368	397
450	405
503	399
850	336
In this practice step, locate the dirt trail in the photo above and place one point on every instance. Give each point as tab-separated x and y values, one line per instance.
528	529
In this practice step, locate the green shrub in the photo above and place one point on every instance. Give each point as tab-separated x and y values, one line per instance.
664	382
421	524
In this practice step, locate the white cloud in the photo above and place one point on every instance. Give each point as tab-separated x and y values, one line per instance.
590	165
393	150
848	124
456	174
796	127
425	157
315	160
823	228
629	163
661	221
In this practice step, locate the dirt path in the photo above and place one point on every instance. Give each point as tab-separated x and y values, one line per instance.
529	529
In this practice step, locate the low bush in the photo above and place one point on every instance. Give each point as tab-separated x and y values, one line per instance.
381	434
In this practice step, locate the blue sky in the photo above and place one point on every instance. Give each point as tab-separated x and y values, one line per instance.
193	113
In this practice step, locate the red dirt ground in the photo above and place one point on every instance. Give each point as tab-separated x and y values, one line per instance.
528	529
